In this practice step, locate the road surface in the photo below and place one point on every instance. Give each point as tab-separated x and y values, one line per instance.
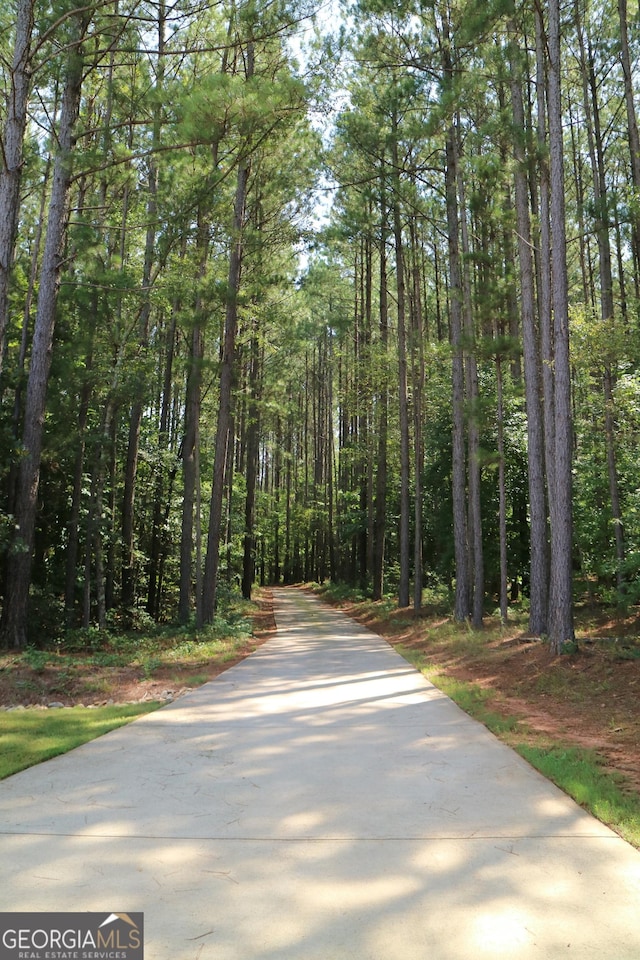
319	801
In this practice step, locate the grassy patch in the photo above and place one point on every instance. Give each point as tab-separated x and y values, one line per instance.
28	737
580	774
195	680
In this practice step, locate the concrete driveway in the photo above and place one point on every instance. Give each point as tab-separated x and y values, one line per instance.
319	801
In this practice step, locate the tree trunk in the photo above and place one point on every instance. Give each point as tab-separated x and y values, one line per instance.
460	534
561	628
189	471
94	544
227	375
251	472
158	548
601	197
382	411
632	127
364	406
11	160
329	462
129	570
543	250
71	558
476	554
502	497
403	588
539	569
418	375
19	374
14	627
275	576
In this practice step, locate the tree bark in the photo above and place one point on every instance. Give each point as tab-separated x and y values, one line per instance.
459	480
73	525
94	571
632	129
474	500
543	267
189	472
539	567
227	376
382	410
160	498
561	630
11	158
418	376
129	567
251	471
502	496
15	613
403	588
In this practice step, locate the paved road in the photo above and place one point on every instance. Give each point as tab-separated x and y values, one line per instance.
319	801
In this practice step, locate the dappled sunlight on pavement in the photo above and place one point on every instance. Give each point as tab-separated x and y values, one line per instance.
319	801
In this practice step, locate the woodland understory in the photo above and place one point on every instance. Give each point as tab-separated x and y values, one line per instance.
290	294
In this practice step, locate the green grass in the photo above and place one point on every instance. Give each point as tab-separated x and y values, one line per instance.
28	737
580	773
85	659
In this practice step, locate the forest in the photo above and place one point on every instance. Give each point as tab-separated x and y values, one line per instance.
291	292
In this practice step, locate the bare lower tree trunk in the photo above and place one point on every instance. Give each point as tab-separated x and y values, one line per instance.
129	567
14	626
94	546
544	272
189	465
614	485
79	467
227	375
382	413
403	588
502	497
460	534
329	464
476	553
158	538
364	406
253	439
418	375
561	628
539	566
25	339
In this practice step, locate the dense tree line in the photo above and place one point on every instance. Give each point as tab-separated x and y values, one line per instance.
436	387
487	153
